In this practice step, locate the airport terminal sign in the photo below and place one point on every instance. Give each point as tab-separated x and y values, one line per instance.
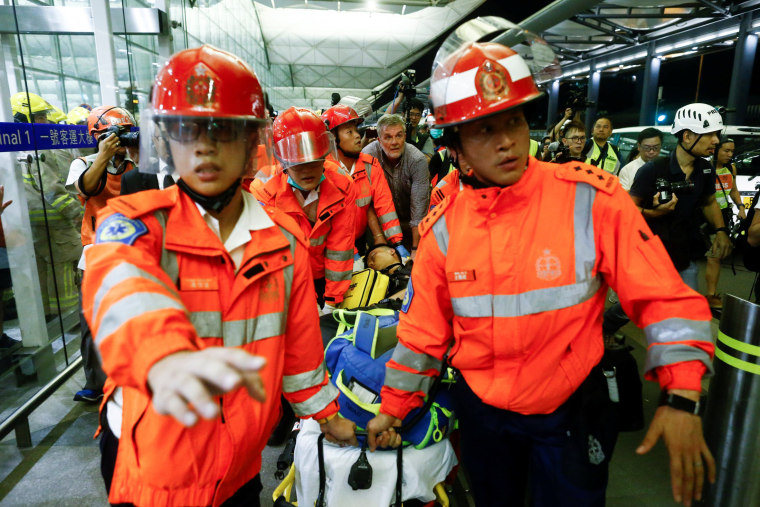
41	136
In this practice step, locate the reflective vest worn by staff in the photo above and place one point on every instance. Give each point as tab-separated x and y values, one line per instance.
371	187
331	237
522	312
158	281
607	161
724	183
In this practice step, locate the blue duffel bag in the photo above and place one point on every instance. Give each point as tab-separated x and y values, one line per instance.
355	360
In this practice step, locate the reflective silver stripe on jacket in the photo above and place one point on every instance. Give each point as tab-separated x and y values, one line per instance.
527	303
550	298
388	217
368	170
364	201
441	184
299	381
441	233
238	332
124	271
129	307
317	241
318	402
666	347
583	231
405	381
339	255
337	276
392	231
415	360
168	258
287	273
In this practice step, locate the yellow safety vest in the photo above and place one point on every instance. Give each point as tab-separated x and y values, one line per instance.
610	163
534	148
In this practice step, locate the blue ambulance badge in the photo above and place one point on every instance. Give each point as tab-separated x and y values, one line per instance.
119	229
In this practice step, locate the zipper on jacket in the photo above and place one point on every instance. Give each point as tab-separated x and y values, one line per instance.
221	409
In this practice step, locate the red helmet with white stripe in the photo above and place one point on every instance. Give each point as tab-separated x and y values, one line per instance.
478	80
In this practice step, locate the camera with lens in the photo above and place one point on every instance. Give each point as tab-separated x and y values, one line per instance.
406	85
665	188
126	138
578	102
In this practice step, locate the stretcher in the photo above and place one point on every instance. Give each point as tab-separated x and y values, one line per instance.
423	473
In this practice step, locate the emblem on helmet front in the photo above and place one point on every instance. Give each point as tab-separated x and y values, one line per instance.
548	266
492	81
200	88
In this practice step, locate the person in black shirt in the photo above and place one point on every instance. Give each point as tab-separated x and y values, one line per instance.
669	190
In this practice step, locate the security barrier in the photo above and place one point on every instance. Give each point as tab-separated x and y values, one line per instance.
732	418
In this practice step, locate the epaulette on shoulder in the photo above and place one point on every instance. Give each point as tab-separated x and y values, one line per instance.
282	219
142	203
586	173
432	217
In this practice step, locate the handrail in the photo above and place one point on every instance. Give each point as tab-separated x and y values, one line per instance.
19	420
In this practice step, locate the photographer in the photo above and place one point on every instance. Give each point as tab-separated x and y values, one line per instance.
668	191
573	136
97	178
412	114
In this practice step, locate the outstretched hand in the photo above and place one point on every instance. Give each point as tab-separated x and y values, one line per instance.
184	383
689	455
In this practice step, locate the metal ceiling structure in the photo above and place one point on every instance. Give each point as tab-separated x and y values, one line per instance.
359	48
316	48
614	27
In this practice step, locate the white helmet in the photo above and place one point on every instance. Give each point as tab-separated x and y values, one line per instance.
699	118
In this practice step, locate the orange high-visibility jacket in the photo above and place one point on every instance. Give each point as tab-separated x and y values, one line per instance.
449	184
94	203
331	238
158	281
372	188
523	307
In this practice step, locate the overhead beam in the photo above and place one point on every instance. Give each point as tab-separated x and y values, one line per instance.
715	7
555	13
604	30
78	20
648	16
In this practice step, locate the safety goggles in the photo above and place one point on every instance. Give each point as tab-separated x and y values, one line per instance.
217	129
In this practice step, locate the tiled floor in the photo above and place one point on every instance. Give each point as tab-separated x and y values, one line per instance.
62	467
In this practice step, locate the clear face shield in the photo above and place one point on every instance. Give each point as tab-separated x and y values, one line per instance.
239	143
539	59
305	147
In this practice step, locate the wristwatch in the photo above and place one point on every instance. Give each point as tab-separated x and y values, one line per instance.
724	229
679	402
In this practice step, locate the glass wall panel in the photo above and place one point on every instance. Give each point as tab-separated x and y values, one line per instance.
39	257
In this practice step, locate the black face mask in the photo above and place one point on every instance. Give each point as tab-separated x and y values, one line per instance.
215	203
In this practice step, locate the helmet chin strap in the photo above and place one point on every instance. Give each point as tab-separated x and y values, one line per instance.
688	150
215	203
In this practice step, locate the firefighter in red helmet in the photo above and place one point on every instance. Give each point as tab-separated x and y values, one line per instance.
374	201
519	314
201	302
318	196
